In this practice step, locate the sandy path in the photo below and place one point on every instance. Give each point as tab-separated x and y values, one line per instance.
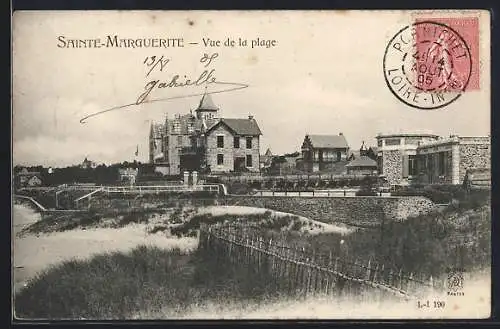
32	254
243	210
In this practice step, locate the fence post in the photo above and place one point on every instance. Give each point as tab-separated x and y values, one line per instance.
382	273
431	282
409	286
355	269
374	279
401	279
336	265
368	270
390	278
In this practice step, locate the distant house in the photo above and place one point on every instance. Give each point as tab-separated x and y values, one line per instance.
323	152
370	152
363	165
128	175
27	178
285	164
266	160
87	164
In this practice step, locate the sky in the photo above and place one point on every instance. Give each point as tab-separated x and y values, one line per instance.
323	76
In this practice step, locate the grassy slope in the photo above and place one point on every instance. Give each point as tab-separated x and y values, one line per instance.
118	285
148	279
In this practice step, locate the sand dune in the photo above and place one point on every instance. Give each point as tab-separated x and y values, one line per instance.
34	253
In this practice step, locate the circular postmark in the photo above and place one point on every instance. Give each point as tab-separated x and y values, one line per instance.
427	65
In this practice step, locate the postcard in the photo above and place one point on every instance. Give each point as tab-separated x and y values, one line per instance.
329	164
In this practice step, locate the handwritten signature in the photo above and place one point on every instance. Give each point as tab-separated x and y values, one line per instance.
160	64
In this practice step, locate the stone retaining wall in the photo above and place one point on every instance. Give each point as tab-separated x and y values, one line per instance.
356	211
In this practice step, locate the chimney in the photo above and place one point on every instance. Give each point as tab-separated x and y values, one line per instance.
250	117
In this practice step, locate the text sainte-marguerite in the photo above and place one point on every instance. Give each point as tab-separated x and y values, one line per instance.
114	41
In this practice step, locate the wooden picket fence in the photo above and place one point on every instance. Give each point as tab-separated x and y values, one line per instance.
298	270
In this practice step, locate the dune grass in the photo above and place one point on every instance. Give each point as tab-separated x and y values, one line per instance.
147	279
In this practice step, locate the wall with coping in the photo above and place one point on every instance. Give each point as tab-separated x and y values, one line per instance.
355	211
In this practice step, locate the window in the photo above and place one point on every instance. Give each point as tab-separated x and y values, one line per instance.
393	141
249	160
249	142
412	165
380	165
220	141
339	155
179	140
442	163
177	127
220	159
236	142
379	143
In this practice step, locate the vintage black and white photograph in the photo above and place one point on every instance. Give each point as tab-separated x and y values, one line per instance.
251	165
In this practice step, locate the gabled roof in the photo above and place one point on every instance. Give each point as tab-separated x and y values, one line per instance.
268	152
207	104
327	141
244	127
362	161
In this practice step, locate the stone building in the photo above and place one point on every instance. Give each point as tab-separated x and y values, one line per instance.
446	161
323	152
430	159
396	155
27	178
128	175
205	142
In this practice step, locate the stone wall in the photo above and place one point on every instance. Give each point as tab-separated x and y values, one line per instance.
229	151
356	211
392	166
473	156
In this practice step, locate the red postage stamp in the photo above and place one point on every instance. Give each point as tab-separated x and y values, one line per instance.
447	54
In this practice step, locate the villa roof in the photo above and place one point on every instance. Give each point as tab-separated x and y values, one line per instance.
362	161
248	127
327	141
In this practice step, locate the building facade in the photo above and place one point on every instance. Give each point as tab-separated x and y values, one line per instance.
205	142
323	152
430	159
447	160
